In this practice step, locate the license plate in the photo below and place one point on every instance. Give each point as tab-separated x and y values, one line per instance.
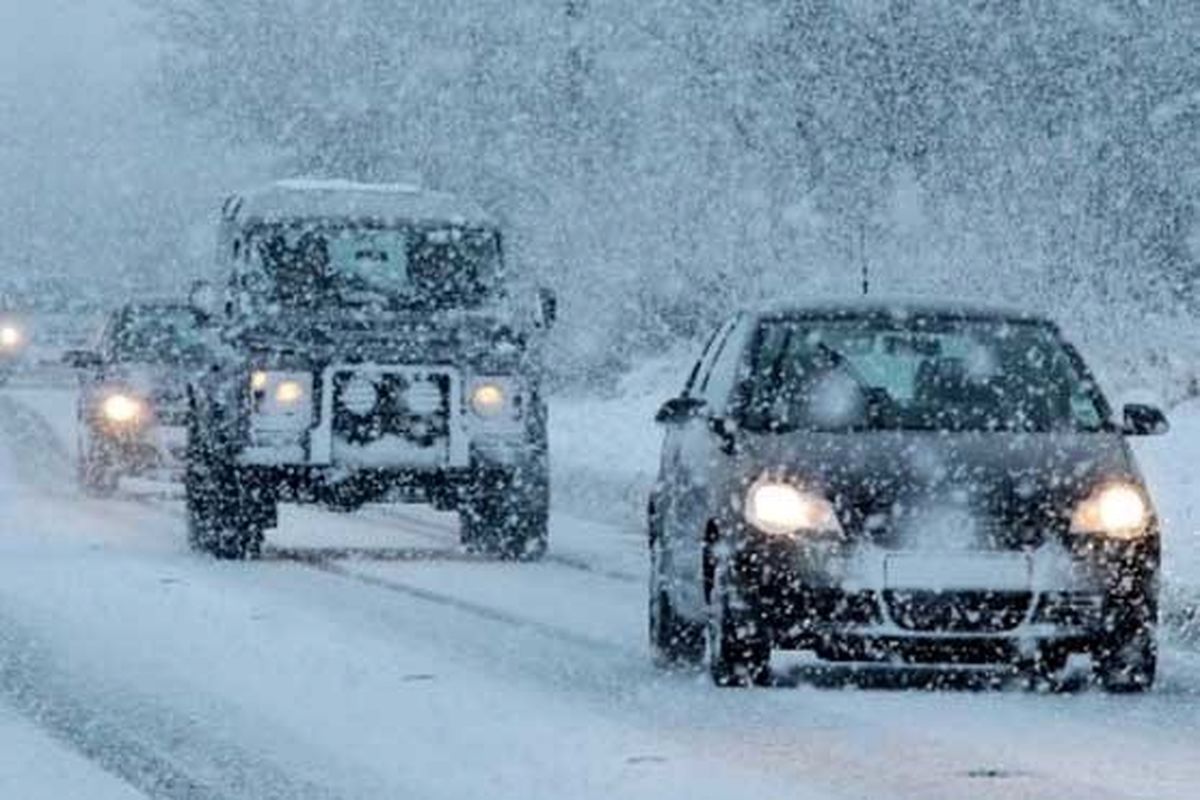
950	571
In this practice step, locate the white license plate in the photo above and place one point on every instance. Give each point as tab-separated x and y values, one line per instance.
951	571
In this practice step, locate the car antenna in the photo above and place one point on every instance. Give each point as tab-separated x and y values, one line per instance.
862	257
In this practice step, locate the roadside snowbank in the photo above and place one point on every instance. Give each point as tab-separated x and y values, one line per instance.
604	450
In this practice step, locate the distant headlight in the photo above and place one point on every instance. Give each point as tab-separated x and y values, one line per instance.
488	400
1119	510
11	336
121	409
781	509
258	380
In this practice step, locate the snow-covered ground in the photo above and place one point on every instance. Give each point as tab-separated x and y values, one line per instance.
129	666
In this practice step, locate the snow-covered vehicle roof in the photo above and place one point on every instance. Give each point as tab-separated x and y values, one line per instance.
306	199
900	308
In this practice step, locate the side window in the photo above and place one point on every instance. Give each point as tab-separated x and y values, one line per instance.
727	369
704	363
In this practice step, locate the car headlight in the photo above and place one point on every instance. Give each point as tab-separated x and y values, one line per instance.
121	409
11	336
1118	510
780	508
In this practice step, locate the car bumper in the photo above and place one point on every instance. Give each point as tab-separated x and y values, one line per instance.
967	607
147	448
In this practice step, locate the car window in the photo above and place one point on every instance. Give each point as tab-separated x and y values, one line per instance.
922	375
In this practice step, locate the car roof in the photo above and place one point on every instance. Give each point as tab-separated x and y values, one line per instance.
899	308
307	199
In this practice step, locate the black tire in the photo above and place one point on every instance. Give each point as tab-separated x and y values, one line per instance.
225	518
1126	660
739	648
674	641
98	475
1127	665
507	514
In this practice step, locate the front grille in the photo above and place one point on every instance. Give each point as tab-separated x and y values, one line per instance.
411	406
958	611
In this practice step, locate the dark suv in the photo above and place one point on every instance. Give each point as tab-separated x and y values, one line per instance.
901	482
373	350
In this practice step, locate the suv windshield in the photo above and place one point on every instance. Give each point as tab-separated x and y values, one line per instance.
923	374
358	265
158	334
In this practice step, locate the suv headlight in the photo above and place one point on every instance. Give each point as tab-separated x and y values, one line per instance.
495	398
282	394
781	509
1118	510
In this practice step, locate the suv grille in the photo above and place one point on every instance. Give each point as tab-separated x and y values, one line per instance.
370	407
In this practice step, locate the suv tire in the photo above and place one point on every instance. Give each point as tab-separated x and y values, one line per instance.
506	514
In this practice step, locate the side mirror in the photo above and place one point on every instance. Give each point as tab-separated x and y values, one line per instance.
678	410
203	299
1144	420
82	359
547	308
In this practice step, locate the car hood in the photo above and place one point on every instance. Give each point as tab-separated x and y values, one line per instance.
906	488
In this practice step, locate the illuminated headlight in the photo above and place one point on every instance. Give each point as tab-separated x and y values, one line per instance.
289	393
11	336
121	409
494	398
781	509
284	394
1119	511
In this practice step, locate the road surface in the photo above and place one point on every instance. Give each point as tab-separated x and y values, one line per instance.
366	657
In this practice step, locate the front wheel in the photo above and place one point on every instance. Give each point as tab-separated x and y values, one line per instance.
674	641
225	516
98	475
506	514
1129	664
1125	660
739	649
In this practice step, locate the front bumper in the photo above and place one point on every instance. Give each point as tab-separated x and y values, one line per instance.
964	606
145	448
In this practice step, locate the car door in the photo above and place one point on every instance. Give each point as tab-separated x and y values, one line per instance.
699	461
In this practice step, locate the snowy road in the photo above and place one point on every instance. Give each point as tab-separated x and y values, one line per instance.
135	667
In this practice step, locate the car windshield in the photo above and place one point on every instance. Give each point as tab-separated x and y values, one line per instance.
395	267
158	334
924	374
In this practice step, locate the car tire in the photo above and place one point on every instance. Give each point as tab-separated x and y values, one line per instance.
98	476
674	641
1128	664
739	649
224	518
506	514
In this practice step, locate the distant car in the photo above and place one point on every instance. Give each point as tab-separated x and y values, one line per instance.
917	483
132	406
14	341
